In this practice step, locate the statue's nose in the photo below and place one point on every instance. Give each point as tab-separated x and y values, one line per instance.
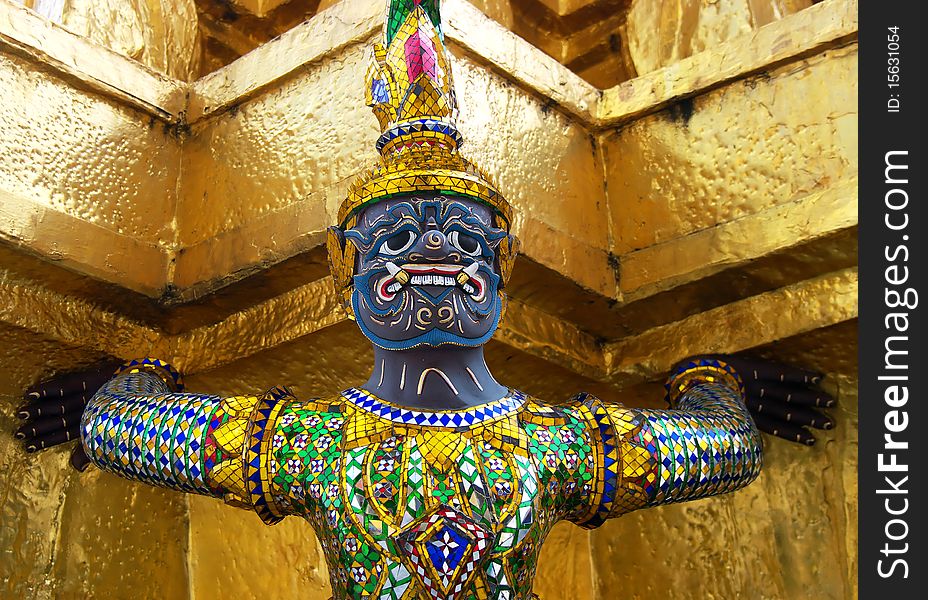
434	245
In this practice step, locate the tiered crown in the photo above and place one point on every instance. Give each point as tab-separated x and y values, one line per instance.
411	92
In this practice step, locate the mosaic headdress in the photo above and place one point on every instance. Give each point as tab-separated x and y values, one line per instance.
411	92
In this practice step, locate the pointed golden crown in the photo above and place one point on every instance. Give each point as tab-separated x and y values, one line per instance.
411	92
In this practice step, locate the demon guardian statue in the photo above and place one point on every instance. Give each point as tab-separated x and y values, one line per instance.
431	479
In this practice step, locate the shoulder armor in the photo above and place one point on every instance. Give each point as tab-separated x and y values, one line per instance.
539	413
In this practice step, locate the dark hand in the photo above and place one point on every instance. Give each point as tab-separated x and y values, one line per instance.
783	399
53	409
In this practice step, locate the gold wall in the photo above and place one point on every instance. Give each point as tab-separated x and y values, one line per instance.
704	200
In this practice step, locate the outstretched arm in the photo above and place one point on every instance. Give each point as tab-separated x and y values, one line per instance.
140	425
706	444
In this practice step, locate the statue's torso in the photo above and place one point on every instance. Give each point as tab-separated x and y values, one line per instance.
412	504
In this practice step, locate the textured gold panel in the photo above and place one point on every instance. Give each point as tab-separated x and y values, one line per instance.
109	525
581	265
708	251
87	157
824	25
277	165
603	317
348	23
161	34
84	179
806	306
735	151
507	53
234	555
600	57
298	312
524	328
87	65
75	243
303	311
565	565
661	32
72	321
776	270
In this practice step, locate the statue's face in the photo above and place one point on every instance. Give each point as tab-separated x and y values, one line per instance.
427	272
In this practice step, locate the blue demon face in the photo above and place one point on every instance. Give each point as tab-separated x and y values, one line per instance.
427	272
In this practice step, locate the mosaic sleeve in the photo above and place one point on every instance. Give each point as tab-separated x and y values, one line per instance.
140	425
706	445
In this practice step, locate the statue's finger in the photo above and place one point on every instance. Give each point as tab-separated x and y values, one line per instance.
79	458
48	425
53	439
54	407
761	370
798	415
71	383
782	429
790	394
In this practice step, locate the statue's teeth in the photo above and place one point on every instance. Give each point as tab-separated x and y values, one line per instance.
431	280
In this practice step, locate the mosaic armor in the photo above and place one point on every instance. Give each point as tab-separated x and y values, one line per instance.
411	503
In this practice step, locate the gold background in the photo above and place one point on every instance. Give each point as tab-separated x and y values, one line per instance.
684	179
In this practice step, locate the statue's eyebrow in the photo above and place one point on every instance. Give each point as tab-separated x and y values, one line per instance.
388	221
475	223
403	211
461	212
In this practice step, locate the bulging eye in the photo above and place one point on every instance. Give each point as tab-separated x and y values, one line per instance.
465	243
398	243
